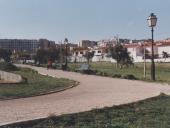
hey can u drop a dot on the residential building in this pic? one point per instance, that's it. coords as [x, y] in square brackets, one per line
[102, 55]
[164, 46]
[136, 51]
[138, 41]
[19, 45]
[98, 54]
[87, 43]
[105, 43]
[78, 54]
[25, 45]
[112, 42]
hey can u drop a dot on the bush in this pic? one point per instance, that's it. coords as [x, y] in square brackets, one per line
[8, 67]
[104, 74]
[89, 72]
[58, 66]
[99, 73]
[117, 76]
[130, 77]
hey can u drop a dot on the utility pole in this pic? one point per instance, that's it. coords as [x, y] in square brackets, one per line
[144, 69]
[66, 53]
[117, 42]
[61, 53]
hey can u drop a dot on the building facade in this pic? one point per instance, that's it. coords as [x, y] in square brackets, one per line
[87, 43]
[138, 50]
[19, 45]
[78, 54]
[25, 45]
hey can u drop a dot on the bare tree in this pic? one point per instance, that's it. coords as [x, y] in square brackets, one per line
[165, 55]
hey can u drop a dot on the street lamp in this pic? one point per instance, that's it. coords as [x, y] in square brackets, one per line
[66, 53]
[152, 20]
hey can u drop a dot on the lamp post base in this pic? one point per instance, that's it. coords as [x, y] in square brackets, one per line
[153, 71]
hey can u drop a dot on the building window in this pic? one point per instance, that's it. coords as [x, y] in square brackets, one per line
[76, 53]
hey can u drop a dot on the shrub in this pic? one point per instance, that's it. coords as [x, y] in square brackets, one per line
[99, 73]
[130, 77]
[8, 67]
[89, 72]
[117, 76]
[105, 74]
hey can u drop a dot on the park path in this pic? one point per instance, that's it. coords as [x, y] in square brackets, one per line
[93, 92]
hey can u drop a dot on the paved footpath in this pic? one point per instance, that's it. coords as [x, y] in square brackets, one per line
[93, 92]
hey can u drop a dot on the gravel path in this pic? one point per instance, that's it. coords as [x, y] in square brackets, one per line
[93, 92]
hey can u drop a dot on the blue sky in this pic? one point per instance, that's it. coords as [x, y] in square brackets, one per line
[82, 19]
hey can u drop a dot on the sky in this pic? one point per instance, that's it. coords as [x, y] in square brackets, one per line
[82, 19]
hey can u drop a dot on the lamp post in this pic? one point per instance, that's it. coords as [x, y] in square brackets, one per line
[66, 53]
[152, 20]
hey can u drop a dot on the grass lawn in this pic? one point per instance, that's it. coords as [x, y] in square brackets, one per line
[36, 84]
[162, 70]
[151, 113]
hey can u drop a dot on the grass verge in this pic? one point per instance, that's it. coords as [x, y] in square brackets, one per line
[150, 113]
[36, 85]
[109, 69]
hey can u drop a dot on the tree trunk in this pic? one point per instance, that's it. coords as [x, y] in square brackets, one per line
[117, 65]
[88, 60]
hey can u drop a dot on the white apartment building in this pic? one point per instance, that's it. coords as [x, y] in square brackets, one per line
[78, 55]
[106, 43]
[102, 55]
[98, 55]
[136, 51]
[87, 43]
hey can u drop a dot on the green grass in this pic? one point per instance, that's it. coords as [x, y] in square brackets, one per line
[36, 84]
[162, 70]
[151, 113]
[5, 66]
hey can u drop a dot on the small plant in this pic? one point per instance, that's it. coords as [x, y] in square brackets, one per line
[98, 73]
[129, 77]
[105, 74]
[117, 76]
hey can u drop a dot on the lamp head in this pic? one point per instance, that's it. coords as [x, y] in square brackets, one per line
[152, 20]
[66, 40]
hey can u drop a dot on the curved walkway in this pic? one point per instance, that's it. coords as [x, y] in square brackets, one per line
[93, 92]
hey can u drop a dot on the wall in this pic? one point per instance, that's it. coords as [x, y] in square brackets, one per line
[163, 49]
